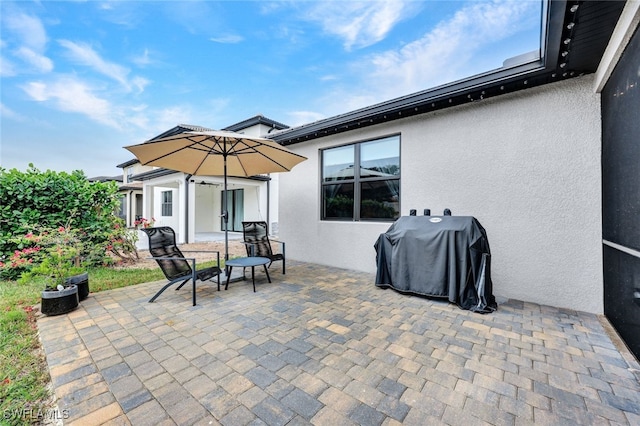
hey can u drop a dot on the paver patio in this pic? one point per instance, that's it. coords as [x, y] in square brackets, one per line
[324, 346]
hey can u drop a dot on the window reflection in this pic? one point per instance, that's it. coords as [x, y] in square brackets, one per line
[380, 200]
[380, 158]
[338, 201]
[369, 176]
[338, 163]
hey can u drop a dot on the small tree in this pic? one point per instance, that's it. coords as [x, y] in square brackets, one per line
[52, 199]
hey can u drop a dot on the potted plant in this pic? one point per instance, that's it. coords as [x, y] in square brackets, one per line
[55, 255]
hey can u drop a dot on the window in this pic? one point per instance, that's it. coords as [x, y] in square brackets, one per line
[167, 203]
[129, 174]
[122, 209]
[362, 181]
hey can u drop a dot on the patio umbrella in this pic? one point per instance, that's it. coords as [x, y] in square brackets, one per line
[217, 153]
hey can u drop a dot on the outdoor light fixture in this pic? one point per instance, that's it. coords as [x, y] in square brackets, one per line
[565, 53]
[570, 25]
[567, 40]
[574, 8]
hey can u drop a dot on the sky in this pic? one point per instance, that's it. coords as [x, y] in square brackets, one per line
[79, 80]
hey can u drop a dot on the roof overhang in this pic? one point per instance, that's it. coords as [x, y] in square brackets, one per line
[575, 35]
[156, 173]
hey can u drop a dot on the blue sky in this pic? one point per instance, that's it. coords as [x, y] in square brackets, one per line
[81, 79]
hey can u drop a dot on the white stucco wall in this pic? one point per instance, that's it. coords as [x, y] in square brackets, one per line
[206, 218]
[527, 165]
[173, 220]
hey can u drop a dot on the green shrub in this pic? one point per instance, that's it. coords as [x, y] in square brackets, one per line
[51, 199]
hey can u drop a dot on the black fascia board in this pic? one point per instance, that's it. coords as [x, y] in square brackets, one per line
[479, 87]
[128, 163]
[153, 174]
[470, 90]
[258, 119]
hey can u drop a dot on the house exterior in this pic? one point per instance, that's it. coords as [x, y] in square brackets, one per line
[544, 154]
[192, 205]
[131, 192]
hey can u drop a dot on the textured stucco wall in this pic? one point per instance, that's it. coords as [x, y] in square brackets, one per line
[527, 165]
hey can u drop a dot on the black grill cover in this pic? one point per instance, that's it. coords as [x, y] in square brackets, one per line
[438, 256]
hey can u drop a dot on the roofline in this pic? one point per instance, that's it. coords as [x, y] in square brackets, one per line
[129, 188]
[258, 119]
[128, 163]
[482, 86]
[151, 174]
[181, 128]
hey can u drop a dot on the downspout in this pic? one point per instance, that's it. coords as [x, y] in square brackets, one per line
[186, 209]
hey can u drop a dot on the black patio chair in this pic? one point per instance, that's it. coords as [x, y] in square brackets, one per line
[174, 266]
[256, 240]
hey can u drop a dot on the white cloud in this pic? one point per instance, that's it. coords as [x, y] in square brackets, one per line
[85, 55]
[40, 62]
[360, 24]
[297, 118]
[167, 118]
[71, 95]
[26, 40]
[446, 53]
[142, 60]
[227, 39]
[7, 67]
[29, 29]
[7, 112]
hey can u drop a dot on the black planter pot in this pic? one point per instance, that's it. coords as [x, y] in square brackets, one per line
[82, 282]
[56, 302]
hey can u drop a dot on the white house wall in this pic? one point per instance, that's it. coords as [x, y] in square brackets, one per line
[206, 217]
[173, 220]
[526, 165]
[208, 202]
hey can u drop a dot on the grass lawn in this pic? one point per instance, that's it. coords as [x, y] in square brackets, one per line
[24, 376]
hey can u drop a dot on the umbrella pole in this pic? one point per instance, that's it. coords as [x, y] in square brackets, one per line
[225, 215]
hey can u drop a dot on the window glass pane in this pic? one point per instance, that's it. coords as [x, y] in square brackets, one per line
[380, 199]
[337, 163]
[122, 211]
[337, 201]
[167, 203]
[380, 158]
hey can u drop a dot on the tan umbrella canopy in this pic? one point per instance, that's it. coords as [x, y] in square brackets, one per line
[207, 153]
[217, 153]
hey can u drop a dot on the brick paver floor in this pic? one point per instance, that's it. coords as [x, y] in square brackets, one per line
[324, 346]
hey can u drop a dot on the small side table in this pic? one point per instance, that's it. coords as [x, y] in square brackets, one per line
[245, 262]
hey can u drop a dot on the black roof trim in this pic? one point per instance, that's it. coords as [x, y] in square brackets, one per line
[583, 56]
[181, 128]
[117, 178]
[129, 188]
[258, 119]
[128, 163]
[151, 174]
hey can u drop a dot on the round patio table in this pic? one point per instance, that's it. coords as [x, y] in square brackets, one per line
[246, 262]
